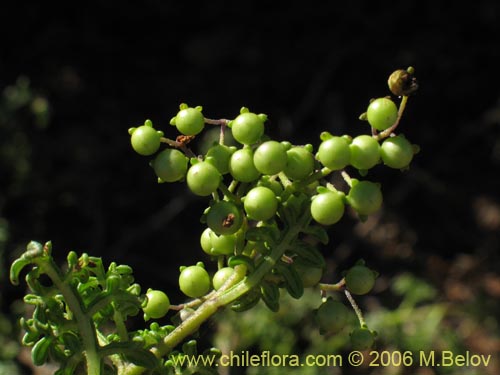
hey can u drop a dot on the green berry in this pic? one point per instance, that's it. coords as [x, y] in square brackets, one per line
[224, 217]
[365, 197]
[221, 276]
[247, 128]
[365, 152]
[170, 165]
[157, 304]
[189, 121]
[382, 113]
[396, 152]
[194, 281]
[203, 178]
[260, 203]
[362, 338]
[242, 167]
[299, 163]
[145, 140]
[270, 158]
[334, 153]
[219, 155]
[360, 280]
[332, 316]
[327, 208]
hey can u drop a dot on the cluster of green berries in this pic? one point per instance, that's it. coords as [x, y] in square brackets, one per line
[249, 183]
[264, 164]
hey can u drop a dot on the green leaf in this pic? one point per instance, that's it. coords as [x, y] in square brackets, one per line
[310, 254]
[16, 269]
[261, 234]
[40, 351]
[247, 301]
[293, 281]
[270, 295]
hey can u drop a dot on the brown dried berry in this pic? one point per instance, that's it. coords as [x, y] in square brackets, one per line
[402, 82]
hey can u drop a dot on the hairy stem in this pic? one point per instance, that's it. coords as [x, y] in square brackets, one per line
[356, 308]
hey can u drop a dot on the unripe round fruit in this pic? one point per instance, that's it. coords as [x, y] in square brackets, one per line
[327, 208]
[242, 167]
[382, 113]
[360, 280]
[260, 203]
[362, 338]
[247, 128]
[170, 165]
[334, 153]
[396, 152]
[299, 164]
[224, 217]
[270, 158]
[145, 140]
[365, 152]
[365, 197]
[203, 178]
[221, 277]
[194, 281]
[219, 155]
[332, 316]
[157, 304]
[206, 240]
[189, 121]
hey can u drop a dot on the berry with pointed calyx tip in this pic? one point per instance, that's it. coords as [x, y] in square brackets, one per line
[170, 165]
[157, 304]
[382, 113]
[396, 152]
[219, 155]
[360, 279]
[145, 139]
[362, 338]
[402, 82]
[299, 163]
[224, 217]
[242, 167]
[332, 316]
[365, 152]
[213, 244]
[365, 197]
[189, 121]
[260, 203]
[248, 127]
[203, 178]
[194, 281]
[270, 158]
[334, 153]
[327, 208]
[221, 276]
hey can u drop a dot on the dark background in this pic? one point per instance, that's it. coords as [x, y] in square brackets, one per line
[310, 66]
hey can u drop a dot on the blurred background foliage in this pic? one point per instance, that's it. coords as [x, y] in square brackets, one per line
[74, 78]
